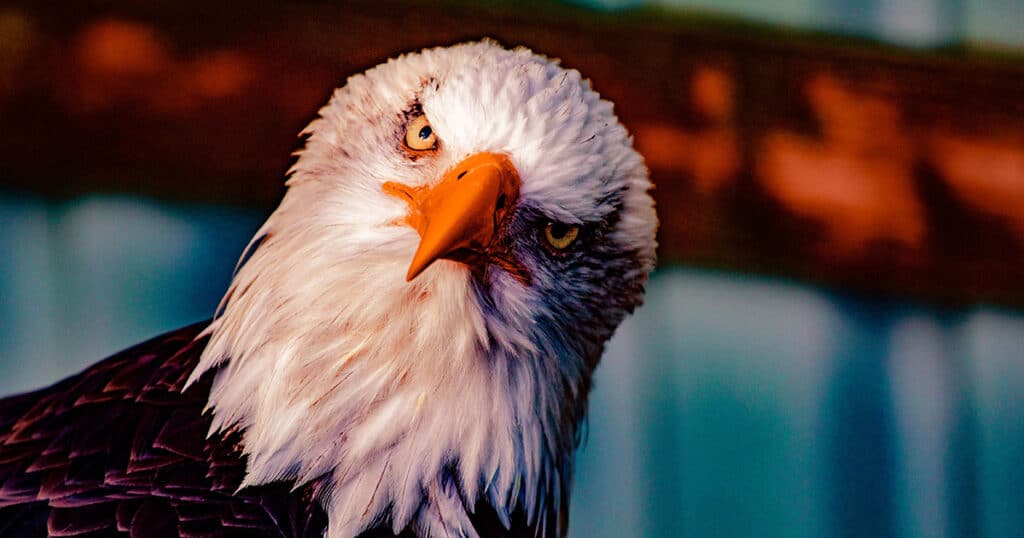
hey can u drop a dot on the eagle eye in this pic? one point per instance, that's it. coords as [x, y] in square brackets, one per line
[419, 135]
[560, 235]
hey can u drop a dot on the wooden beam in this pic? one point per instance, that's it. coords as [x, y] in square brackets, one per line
[842, 161]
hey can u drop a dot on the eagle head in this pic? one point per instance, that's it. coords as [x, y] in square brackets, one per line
[416, 325]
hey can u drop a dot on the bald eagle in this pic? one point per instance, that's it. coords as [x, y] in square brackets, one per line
[407, 347]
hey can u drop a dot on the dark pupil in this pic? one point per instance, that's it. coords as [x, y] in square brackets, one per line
[425, 132]
[558, 230]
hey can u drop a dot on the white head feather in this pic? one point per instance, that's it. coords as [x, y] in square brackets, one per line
[414, 400]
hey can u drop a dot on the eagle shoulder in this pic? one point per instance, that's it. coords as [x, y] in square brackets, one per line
[120, 450]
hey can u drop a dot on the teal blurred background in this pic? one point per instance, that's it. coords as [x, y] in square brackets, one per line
[734, 403]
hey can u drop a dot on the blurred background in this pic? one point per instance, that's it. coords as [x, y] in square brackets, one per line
[833, 344]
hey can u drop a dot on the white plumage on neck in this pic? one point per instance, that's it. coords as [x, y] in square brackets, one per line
[414, 400]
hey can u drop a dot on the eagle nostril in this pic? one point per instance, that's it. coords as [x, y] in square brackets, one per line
[461, 174]
[501, 201]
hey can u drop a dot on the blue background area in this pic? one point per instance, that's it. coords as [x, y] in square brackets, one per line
[915, 23]
[729, 405]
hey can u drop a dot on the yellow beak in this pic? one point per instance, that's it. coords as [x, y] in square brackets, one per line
[462, 212]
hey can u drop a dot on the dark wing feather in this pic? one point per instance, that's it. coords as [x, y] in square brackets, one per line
[120, 450]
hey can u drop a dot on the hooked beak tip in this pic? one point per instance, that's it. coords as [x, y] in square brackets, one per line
[413, 273]
[460, 211]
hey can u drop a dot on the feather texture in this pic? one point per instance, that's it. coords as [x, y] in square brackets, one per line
[339, 398]
[120, 451]
[415, 400]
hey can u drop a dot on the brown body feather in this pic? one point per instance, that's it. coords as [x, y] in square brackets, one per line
[120, 450]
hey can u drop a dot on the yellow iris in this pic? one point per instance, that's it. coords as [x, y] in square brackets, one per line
[560, 235]
[419, 135]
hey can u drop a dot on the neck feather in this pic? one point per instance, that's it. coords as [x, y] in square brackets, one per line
[405, 399]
